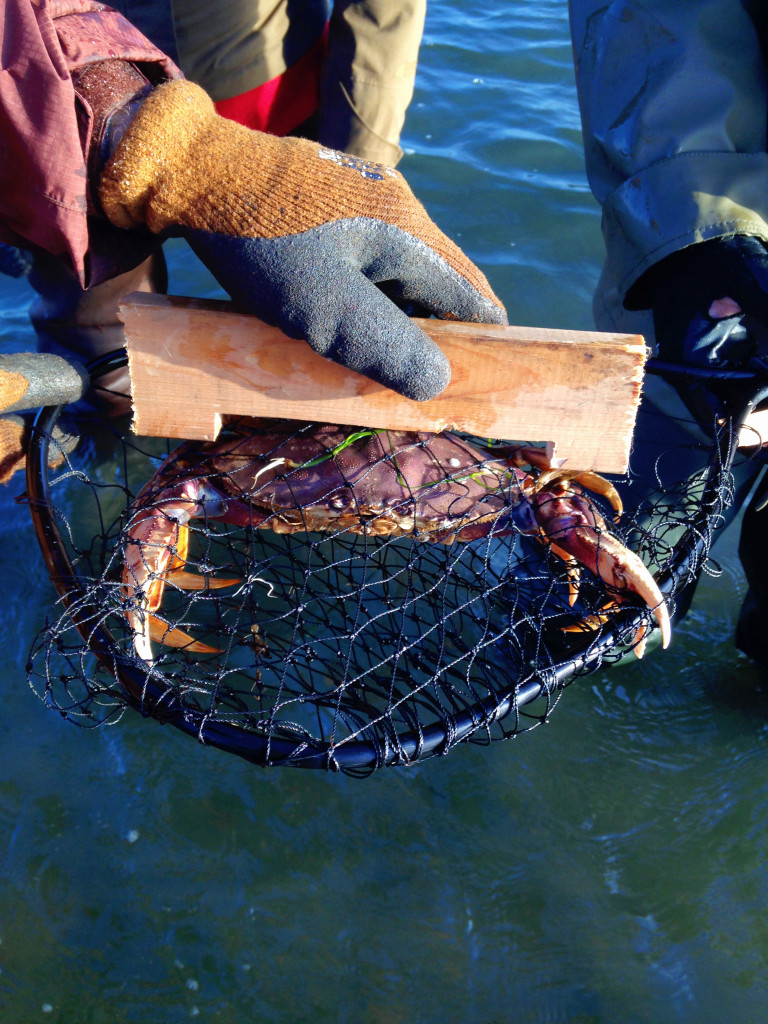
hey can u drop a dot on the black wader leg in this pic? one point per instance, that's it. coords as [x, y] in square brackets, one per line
[753, 552]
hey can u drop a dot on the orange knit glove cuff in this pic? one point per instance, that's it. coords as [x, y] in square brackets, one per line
[325, 246]
[180, 164]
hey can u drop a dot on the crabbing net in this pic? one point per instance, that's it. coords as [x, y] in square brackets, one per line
[346, 650]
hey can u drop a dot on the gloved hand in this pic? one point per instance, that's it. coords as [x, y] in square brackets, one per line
[14, 440]
[299, 235]
[29, 380]
[705, 299]
[15, 432]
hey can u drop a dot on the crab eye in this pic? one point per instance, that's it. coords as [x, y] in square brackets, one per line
[338, 501]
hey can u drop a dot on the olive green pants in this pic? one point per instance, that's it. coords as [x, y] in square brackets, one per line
[368, 73]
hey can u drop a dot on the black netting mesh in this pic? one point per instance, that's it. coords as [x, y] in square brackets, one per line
[346, 650]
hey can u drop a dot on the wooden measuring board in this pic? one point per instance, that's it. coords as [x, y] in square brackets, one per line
[195, 362]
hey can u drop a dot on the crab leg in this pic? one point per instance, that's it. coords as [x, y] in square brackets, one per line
[593, 481]
[155, 553]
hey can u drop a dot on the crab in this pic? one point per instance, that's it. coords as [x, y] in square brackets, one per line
[438, 488]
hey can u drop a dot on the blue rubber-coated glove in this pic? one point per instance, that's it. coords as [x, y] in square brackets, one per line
[313, 241]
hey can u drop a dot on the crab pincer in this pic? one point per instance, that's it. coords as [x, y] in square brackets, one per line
[575, 530]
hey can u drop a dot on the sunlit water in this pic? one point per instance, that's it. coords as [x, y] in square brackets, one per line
[607, 868]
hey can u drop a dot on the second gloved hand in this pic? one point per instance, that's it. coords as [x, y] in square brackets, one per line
[706, 300]
[699, 295]
[315, 242]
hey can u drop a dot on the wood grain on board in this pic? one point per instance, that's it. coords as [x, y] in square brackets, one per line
[195, 362]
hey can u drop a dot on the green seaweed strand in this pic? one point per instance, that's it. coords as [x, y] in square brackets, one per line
[331, 453]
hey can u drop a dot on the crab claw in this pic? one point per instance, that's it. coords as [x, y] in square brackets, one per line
[153, 628]
[593, 481]
[576, 530]
[156, 554]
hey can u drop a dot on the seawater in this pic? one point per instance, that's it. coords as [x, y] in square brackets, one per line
[608, 867]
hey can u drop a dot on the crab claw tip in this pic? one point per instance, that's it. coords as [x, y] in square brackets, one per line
[661, 614]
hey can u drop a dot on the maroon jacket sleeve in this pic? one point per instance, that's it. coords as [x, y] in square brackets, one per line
[43, 186]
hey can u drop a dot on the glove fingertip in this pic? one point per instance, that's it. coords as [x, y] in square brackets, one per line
[430, 375]
[489, 312]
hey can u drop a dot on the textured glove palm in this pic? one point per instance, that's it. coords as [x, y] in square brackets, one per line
[299, 235]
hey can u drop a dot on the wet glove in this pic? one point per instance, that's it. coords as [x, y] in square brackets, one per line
[299, 235]
[707, 301]
[29, 380]
[14, 440]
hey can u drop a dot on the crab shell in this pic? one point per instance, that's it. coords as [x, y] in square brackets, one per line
[384, 483]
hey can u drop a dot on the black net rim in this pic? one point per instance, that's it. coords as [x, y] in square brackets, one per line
[355, 756]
